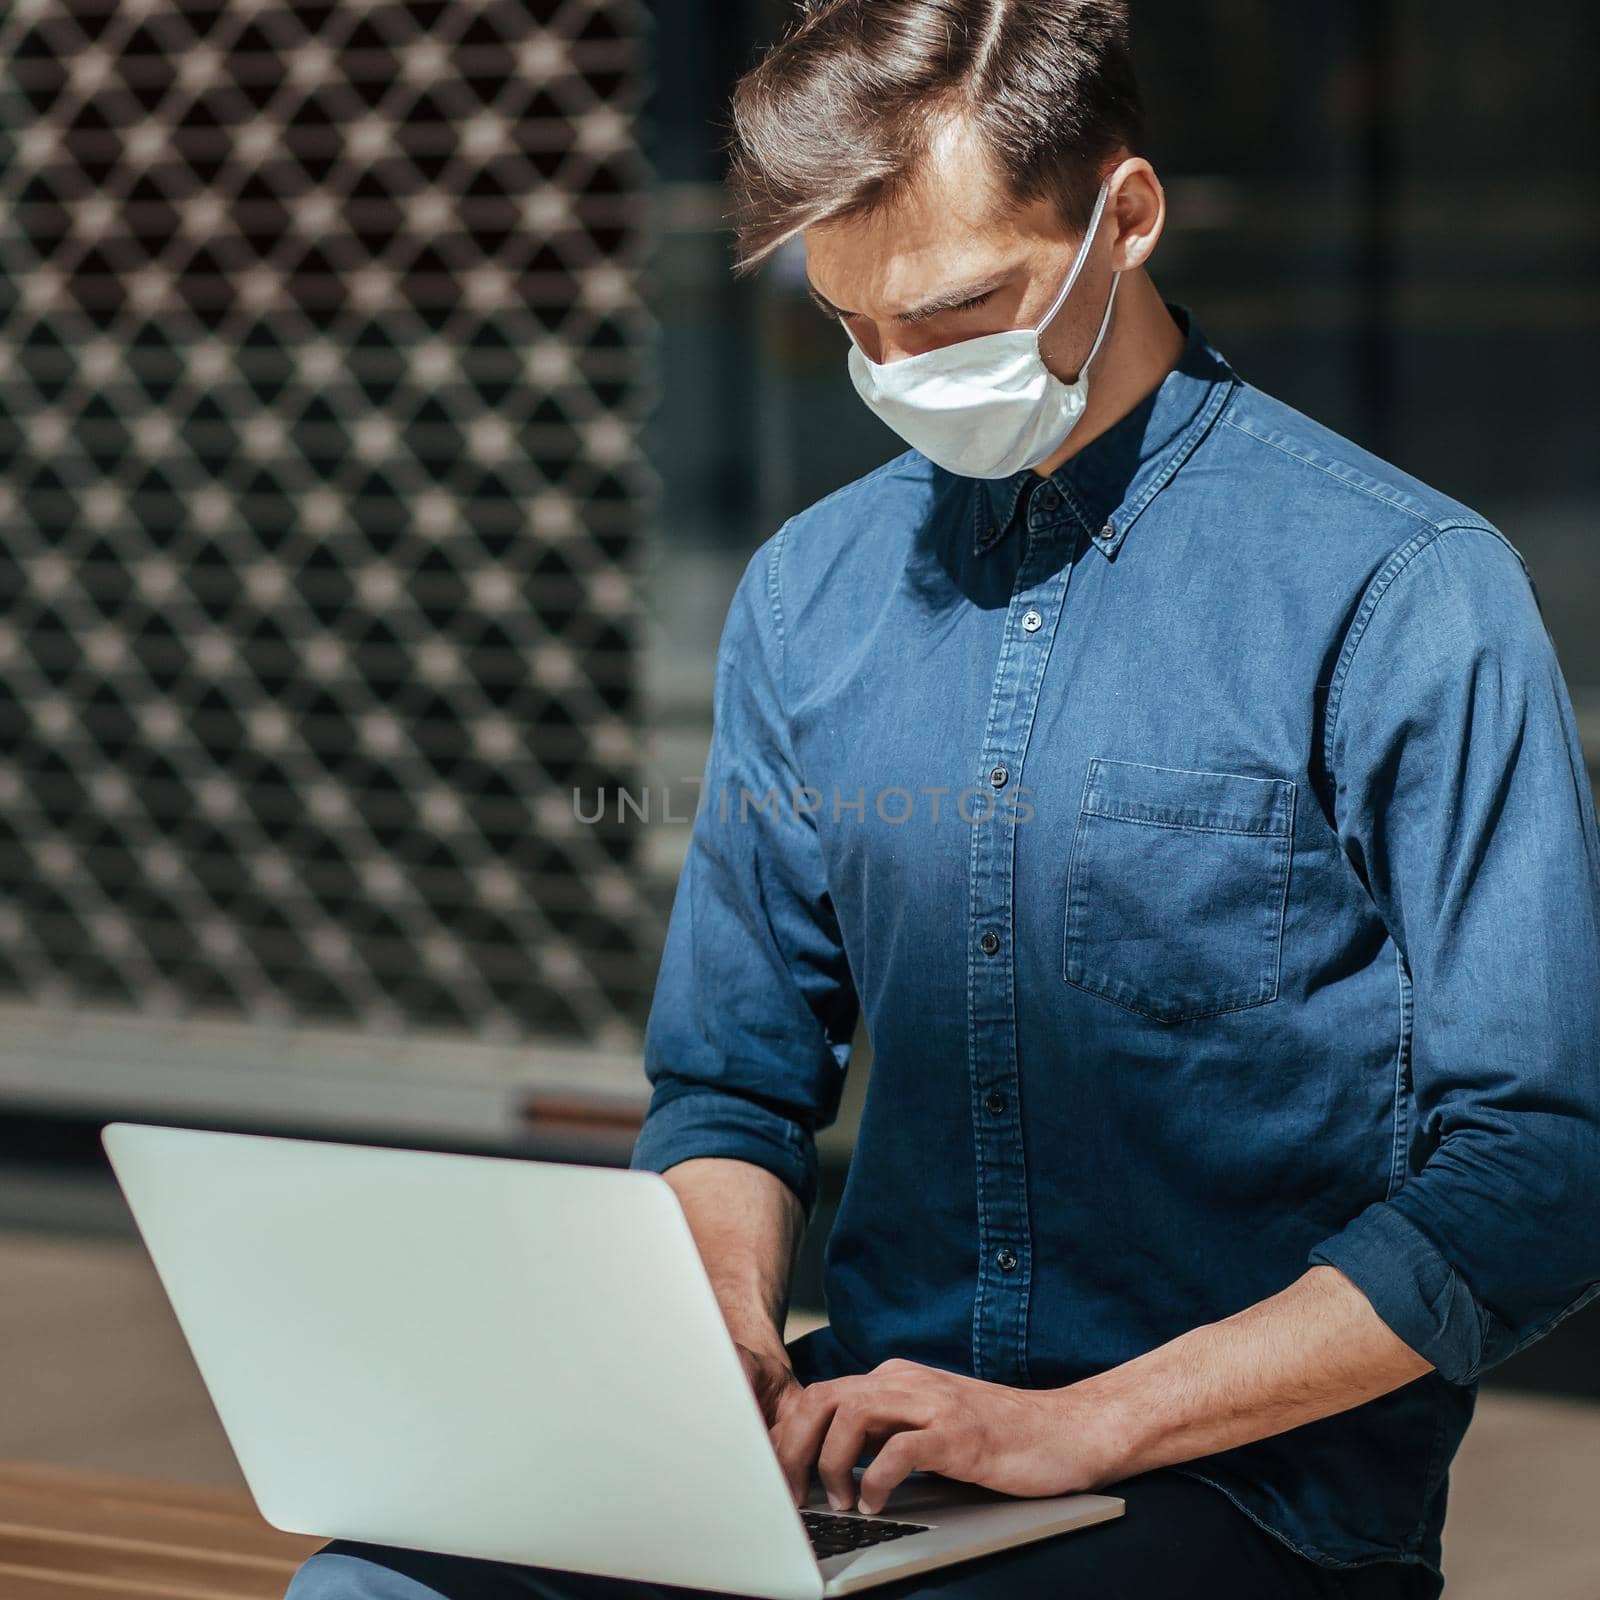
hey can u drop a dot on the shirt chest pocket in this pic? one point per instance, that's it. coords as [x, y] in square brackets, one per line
[1175, 888]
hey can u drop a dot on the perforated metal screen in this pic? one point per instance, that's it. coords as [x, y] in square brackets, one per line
[320, 368]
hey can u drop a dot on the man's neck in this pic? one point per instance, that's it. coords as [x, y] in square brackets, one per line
[1142, 345]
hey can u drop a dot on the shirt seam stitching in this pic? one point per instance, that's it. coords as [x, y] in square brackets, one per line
[795, 1134]
[1224, 387]
[775, 602]
[1577, 1303]
[1379, 586]
[1401, 1129]
[1327, 472]
[989, 528]
[793, 1141]
[1213, 410]
[1398, 561]
[774, 587]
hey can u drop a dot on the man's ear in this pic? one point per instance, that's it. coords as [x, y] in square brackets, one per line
[1138, 177]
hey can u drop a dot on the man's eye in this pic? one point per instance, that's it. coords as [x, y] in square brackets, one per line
[960, 305]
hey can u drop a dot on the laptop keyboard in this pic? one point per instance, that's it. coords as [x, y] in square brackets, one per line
[833, 1533]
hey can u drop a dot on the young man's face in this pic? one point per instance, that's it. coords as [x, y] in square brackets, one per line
[952, 261]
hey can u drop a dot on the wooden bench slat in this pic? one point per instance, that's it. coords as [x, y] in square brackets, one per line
[67, 1534]
[250, 1536]
[105, 1505]
[19, 1583]
[72, 1550]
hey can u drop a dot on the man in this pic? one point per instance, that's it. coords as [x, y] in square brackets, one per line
[1191, 805]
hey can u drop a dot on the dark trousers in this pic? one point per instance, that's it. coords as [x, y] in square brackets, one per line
[1179, 1539]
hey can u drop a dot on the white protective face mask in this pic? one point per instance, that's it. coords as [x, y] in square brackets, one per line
[988, 406]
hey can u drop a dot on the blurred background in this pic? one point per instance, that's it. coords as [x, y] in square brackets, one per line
[382, 434]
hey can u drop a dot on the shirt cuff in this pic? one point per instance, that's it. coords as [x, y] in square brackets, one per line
[1422, 1298]
[717, 1122]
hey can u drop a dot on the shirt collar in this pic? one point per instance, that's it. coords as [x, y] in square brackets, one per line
[1116, 475]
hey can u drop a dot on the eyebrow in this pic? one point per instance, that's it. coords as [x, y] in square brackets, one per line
[940, 302]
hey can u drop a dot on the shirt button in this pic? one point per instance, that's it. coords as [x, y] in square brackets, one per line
[990, 942]
[1109, 531]
[1006, 1257]
[1049, 500]
[998, 776]
[996, 1102]
[1031, 621]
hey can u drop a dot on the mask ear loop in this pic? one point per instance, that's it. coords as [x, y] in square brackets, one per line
[1105, 322]
[1078, 261]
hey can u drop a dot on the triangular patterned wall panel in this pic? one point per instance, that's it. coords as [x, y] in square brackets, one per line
[320, 379]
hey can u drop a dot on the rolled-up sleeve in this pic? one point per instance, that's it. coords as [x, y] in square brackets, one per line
[749, 1033]
[1461, 798]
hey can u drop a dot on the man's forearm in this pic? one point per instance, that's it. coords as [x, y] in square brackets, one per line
[1307, 1352]
[747, 1223]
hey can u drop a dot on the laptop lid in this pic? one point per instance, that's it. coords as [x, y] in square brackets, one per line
[480, 1355]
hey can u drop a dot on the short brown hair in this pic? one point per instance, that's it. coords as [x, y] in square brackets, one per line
[836, 117]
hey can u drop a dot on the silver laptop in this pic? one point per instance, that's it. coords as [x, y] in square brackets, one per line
[513, 1359]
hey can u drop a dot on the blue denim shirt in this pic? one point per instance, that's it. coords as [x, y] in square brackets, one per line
[1204, 837]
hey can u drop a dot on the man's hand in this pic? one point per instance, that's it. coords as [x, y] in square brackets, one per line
[1310, 1350]
[925, 1419]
